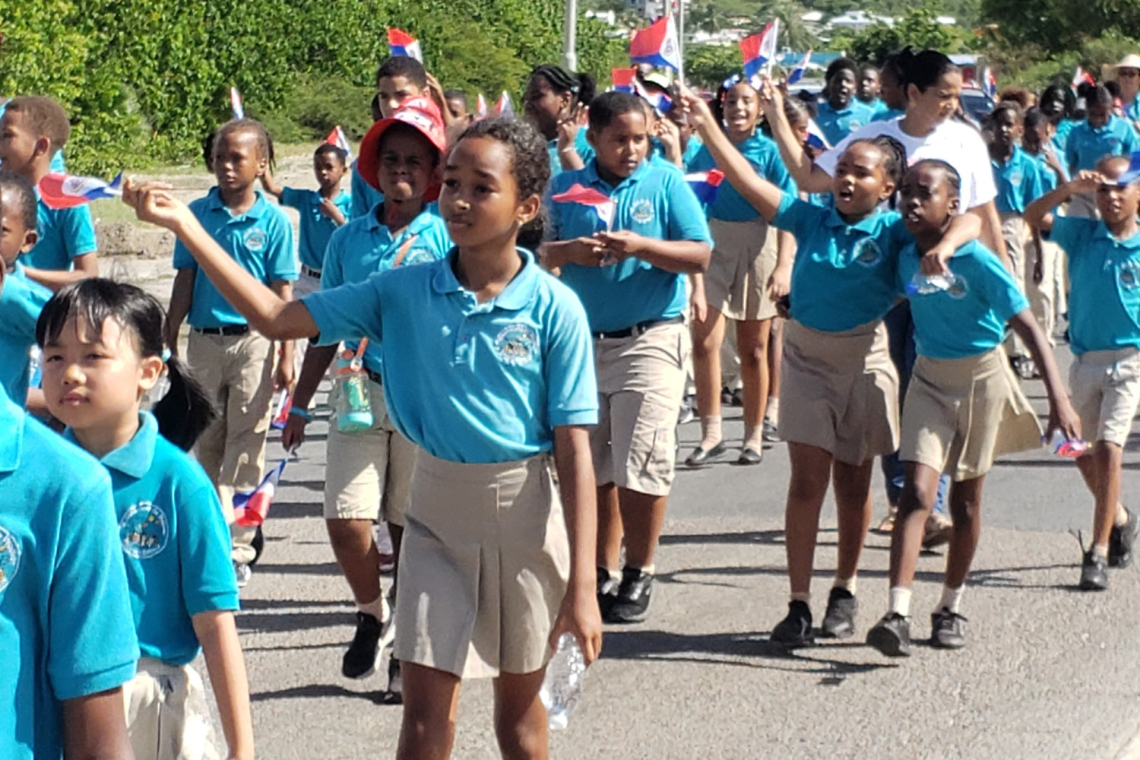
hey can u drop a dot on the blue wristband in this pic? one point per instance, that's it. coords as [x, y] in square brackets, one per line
[302, 413]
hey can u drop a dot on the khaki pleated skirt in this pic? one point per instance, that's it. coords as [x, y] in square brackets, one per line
[743, 259]
[483, 567]
[962, 414]
[840, 391]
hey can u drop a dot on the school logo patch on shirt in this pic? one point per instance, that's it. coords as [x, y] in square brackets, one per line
[419, 256]
[867, 252]
[144, 530]
[1015, 178]
[1128, 275]
[642, 211]
[516, 344]
[9, 558]
[255, 239]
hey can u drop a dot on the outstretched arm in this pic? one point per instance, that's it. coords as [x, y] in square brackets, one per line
[273, 316]
[1061, 414]
[1039, 214]
[809, 177]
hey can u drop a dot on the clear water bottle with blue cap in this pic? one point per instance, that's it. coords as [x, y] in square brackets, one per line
[924, 284]
[562, 686]
[353, 397]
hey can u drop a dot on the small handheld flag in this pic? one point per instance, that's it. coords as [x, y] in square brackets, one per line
[236, 104]
[657, 45]
[338, 138]
[481, 110]
[251, 509]
[759, 50]
[284, 404]
[705, 185]
[1080, 76]
[661, 102]
[622, 79]
[402, 44]
[504, 107]
[800, 69]
[64, 191]
[989, 83]
[815, 137]
[602, 204]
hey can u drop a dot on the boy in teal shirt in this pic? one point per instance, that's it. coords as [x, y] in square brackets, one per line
[841, 113]
[21, 300]
[1102, 134]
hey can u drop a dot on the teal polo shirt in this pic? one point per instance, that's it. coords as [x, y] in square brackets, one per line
[764, 155]
[654, 201]
[471, 382]
[581, 144]
[316, 228]
[65, 614]
[1085, 146]
[364, 247]
[21, 302]
[1046, 173]
[844, 274]
[692, 149]
[1018, 182]
[969, 318]
[889, 114]
[1061, 138]
[1104, 302]
[364, 196]
[64, 234]
[260, 240]
[173, 539]
[837, 124]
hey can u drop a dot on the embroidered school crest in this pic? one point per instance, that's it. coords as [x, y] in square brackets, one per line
[255, 239]
[516, 344]
[143, 530]
[1015, 178]
[419, 256]
[867, 252]
[9, 558]
[1127, 275]
[642, 211]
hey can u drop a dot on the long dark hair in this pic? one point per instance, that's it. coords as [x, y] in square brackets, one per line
[185, 410]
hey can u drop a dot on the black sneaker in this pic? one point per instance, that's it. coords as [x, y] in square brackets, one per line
[839, 620]
[1094, 572]
[946, 630]
[631, 604]
[891, 635]
[795, 629]
[395, 692]
[1121, 541]
[607, 590]
[360, 659]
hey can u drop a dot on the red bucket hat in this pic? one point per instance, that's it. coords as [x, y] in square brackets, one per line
[421, 113]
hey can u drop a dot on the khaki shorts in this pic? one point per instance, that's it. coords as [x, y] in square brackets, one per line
[840, 391]
[483, 568]
[641, 381]
[1017, 238]
[236, 371]
[167, 715]
[743, 258]
[369, 474]
[1105, 391]
[962, 414]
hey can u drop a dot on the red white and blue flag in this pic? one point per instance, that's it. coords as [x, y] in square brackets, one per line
[402, 44]
[338, 138]
[815, 137]
[657, 45]
[1080, 76]
[481, 110]
[800, 69]
[235, 103]
[661, 102]
[65, 191]
[705, 185]
[989, 82]
[251, 509]
[622, 79]
[504, 107]
[759, 50]
[602, 204]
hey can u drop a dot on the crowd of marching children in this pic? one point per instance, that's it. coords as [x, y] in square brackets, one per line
[522, 309]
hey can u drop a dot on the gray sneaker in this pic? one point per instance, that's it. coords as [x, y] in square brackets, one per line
[891, 635]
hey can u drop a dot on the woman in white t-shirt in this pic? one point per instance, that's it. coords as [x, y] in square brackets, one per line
[927, 130]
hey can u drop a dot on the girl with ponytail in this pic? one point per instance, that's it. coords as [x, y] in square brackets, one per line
[103, 351]
[555, 102]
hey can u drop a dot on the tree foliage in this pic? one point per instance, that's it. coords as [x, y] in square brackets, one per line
[146, 79]
[918, 27]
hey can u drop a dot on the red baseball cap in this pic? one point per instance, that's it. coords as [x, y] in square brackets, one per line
[421, 113]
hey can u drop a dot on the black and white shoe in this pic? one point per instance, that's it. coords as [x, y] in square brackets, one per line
[1094, 572]
[839, 620]
[891, 635]
[946, 630]
[364, 651]
[1121, 541]
[795, 629]
[631, 604]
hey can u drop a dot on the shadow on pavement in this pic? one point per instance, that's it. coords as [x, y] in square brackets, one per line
[323, 568]
[248, 605]
[319, 691]
[290, 622]
[295, 510]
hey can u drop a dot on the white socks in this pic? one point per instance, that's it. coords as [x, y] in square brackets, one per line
[1121, 516]
[711, 433]
[754, 438]
[845, 583]
[900, 601]
[377, 608]
[804, 597]
[951, 598]
[772, 414]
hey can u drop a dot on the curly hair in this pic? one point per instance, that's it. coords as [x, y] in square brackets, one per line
[253, 126]
[530, 161]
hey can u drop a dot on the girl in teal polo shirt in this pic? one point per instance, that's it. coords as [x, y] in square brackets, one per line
[104, 350]
[487, 367]
[1102, 134]
[963, 407]
[839, 388]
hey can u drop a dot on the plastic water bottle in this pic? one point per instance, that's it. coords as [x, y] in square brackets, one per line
[1063, 446]
[922, 285]
[353, 397]
[562, 687]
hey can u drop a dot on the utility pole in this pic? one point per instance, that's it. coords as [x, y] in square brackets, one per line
[570, 36]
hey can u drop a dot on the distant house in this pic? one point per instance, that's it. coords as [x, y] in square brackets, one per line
[857, 21]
